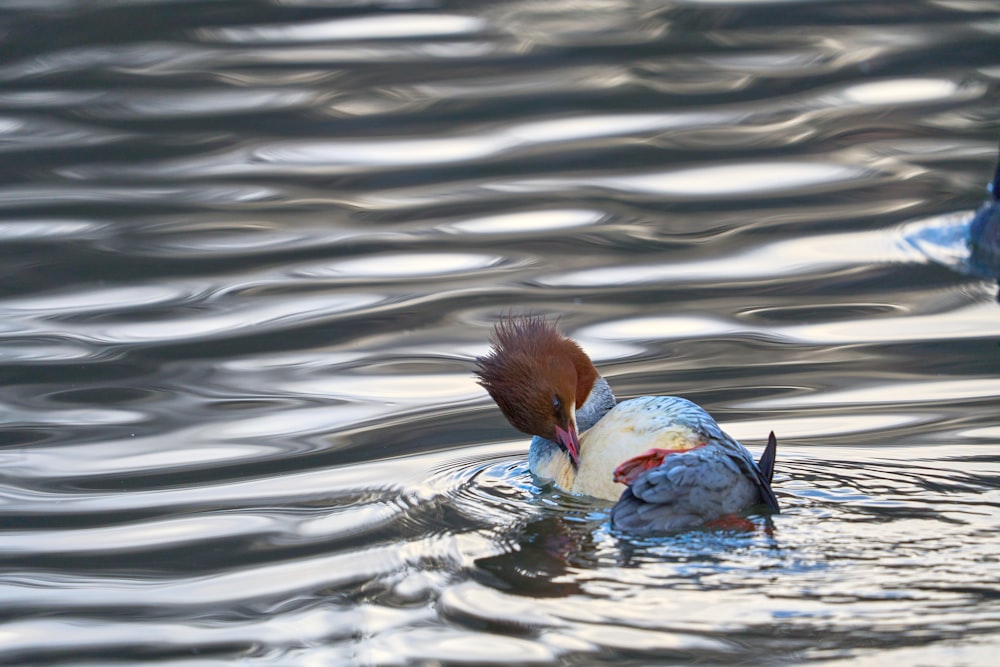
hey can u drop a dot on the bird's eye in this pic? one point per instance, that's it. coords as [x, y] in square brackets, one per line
[556, 405]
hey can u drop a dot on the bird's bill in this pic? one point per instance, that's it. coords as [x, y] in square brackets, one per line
[568, 440]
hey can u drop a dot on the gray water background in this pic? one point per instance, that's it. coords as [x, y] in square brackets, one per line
[250, 249]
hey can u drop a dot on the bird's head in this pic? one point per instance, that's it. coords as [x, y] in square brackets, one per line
[538, 377]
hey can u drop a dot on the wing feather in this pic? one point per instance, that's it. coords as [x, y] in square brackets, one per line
[695, 486]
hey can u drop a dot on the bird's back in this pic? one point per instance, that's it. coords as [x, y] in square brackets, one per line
[685, 491]
[695, 485]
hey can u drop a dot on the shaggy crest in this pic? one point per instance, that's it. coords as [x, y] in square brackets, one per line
[535, 374]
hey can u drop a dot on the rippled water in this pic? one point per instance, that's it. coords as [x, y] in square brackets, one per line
[251, 248]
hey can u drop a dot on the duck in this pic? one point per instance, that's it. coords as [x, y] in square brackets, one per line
[663, 460]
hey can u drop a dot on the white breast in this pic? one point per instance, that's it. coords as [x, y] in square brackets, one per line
[631, 428]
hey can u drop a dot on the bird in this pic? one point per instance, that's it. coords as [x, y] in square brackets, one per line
[663, 459]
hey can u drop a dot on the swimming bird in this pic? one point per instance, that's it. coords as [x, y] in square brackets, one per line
[664, 459]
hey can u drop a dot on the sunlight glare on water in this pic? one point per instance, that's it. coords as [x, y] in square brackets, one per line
[904, 91]
[253, 249]
[408, 265]
[387, 26]
[527, 222]
[762, 178]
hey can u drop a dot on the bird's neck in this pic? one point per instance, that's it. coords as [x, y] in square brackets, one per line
[547, 460]
[599, 402]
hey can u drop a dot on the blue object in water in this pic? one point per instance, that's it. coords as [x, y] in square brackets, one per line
[984, 232]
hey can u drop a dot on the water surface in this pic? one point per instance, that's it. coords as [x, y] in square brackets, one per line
[252, 248]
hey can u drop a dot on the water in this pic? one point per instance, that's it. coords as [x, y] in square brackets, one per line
[251, 248]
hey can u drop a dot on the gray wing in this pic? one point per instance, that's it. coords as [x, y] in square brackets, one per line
[693, 487]
[698, 419]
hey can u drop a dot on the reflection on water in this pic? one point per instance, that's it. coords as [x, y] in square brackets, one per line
[252, 249]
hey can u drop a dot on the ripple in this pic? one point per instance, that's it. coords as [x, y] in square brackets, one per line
[837, 311]
[638, 639]
[147, 56]
[303, 420]
[344, 155]
[616, 337]
[320, 625]
[229, 433]
[103, 299]
[42, 350]
[401, 152]
[819, 426]
[319, 486]
[342, 53]
[18, 134]
[444, 645]
[534, 222]
[970, 321]
[149, 535]
[565, 78]
[135, 455]
[404, 265]
[272, 581]
[406, 25]
[966, 322]
[900, 91]
[580, 127]
[205, 530]
[987, 433]
[484, 605]
[488, 605]
[245, 315]
[743, 2]
[44, 99]
[88, 416]
[757, 179]
[167, 104]
[54, 195]
[909, 392]
[490, 486]
[33, 230]
[190, 237]
[817, 255]
[422, 388]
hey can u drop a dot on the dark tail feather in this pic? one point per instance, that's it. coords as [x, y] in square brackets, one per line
[766, 467]
[766, 463]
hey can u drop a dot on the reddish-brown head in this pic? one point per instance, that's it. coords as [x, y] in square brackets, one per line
[539, 378]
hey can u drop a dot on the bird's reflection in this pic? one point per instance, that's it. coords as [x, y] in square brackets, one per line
[542, 555]
[547, 552]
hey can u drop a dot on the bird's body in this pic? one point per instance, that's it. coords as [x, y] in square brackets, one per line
[663, 458]
[629, 429]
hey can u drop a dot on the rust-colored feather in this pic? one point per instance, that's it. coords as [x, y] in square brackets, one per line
[531, 363]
